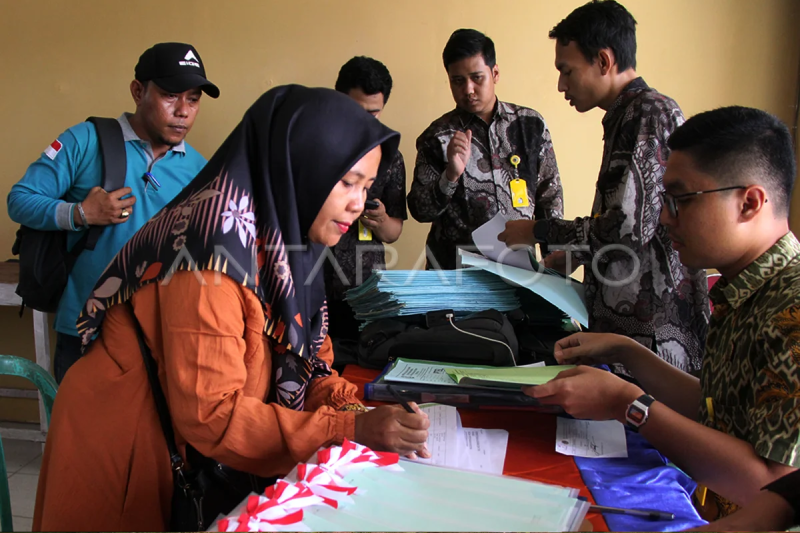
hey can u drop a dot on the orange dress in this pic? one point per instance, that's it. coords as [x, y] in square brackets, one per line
[106, 465]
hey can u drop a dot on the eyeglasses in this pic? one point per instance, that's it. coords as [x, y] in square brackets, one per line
[671, 201]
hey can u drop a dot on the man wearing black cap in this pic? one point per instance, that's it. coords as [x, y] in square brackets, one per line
[62, 189]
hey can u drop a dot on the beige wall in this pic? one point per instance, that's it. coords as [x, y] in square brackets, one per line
[63, 61]
[794, 218]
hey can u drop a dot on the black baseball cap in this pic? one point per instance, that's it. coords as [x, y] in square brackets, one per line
[175, 67]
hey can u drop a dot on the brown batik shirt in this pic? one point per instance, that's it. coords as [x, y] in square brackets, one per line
[455, 210]
[638, 287]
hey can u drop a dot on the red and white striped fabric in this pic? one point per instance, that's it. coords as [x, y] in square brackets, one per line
[326, 484]
[281, 506]
[351, 456]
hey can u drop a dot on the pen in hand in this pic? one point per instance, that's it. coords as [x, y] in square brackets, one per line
[424, 453]
[400, 400]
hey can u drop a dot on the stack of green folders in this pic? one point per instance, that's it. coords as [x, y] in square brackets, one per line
[432, 498]
[419, 497]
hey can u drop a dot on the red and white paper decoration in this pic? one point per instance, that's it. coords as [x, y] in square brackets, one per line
[320, 482]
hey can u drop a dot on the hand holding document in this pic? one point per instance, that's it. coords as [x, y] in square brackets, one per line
[501, 377]
[428, 382]
[566, 294]
[485, 238]
[516, 267]
[451, 445]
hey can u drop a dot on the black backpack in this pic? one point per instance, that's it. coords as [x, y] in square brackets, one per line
[44, 261]
[432, 337]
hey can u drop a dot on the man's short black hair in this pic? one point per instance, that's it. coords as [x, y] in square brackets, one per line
[367, 74]
[598, 25]
[742, 146]
[465, 43]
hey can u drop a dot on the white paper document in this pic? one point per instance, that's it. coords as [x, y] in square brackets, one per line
[483, 450]
[431, 374]
[442, 435]
[591, 438]
[476, 449]
[485, 238]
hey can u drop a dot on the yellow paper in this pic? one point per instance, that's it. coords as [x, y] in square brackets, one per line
[519, 193]
[364, 233]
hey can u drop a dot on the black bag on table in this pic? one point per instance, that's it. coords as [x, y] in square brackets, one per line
[483, 338]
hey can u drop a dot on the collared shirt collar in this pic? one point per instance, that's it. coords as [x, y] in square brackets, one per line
[501, 112]
[635, 86]
[759, 272]
[129, 135]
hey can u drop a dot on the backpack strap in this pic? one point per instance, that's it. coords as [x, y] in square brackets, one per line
[115, 167]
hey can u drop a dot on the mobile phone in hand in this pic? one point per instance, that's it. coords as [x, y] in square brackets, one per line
[371, 204]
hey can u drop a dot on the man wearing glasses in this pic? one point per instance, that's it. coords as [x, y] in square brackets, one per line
[671, 201]
[635, 284]
[736, 429]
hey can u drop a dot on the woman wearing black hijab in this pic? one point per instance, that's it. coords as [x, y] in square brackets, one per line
[226, 286]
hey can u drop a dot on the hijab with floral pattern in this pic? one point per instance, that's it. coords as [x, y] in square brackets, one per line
[247, 215]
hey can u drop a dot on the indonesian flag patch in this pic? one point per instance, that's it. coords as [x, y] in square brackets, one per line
[52, 150]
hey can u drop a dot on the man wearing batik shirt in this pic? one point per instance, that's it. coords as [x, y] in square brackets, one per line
[465, 171]
[635, 284]
[727, 191]
[368, 82]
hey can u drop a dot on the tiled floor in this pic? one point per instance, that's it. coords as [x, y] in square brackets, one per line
[23, 459]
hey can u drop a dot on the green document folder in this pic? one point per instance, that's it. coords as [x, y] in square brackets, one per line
[431, 498]
[505, 377]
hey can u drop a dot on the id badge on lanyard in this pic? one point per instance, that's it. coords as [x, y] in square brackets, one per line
[364, 233]
[519, 187]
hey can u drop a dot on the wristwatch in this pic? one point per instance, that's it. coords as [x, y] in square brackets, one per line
[638, 411]
[540, 230]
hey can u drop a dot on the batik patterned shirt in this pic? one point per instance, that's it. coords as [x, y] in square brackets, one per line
[457, 209]
[636, 285]
[751, 371]
[750, 380]
[356, 258]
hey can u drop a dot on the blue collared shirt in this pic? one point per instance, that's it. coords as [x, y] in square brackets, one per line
[44, 197]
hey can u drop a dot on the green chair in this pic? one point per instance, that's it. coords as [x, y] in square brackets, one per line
[11, 365]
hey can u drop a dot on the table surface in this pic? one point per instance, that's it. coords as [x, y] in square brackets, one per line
[9, 273]
[531, 443]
